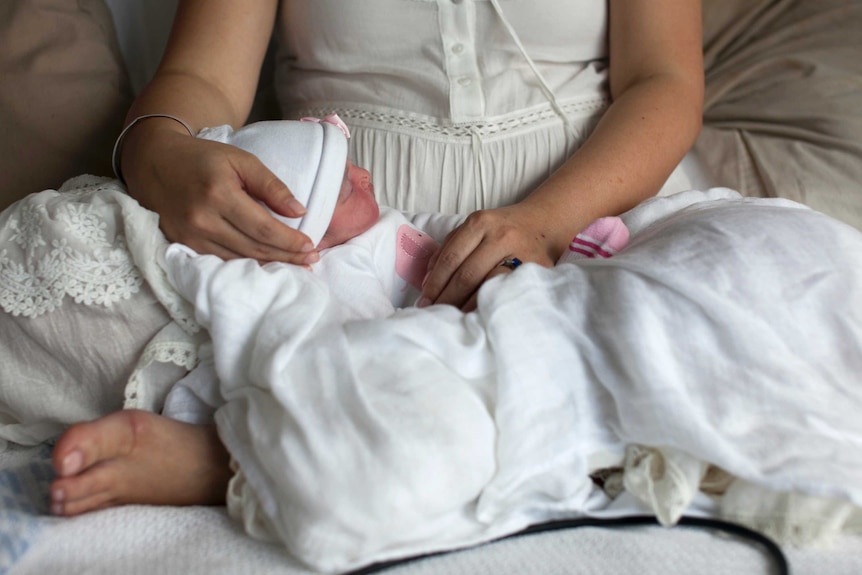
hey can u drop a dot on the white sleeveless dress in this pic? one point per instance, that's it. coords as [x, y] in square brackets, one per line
[446, 111]
[454, 105]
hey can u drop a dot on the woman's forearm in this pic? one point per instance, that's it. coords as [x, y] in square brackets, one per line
[208, 195]
[636, 145]
[656, 83]
[212, 61]
[183, 96]
[208, 75]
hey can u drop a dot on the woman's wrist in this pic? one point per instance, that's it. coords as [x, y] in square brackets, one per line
[135, 128]
[562, 213]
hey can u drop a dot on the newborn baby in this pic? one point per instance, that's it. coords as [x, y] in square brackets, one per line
[373, 259]
[382, 257]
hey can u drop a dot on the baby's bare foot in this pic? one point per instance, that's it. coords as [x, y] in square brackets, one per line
[138, 457]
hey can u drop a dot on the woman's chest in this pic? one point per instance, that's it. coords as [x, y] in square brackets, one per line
[550, 30]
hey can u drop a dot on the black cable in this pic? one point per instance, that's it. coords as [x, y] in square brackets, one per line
[769, 546]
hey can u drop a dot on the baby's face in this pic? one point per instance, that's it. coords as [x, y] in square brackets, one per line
[356, 210]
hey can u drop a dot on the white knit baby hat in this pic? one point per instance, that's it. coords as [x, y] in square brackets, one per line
[309, 156]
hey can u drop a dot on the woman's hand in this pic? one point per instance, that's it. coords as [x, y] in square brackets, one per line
[205, 192]
[472, 253]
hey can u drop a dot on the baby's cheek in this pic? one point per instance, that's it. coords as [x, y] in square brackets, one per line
[412, 255]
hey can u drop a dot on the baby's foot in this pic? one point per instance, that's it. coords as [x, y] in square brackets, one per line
[138, 457]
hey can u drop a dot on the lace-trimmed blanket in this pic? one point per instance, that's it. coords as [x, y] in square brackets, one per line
[89, 324]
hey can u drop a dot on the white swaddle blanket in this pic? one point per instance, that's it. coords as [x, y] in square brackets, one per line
[728, 332]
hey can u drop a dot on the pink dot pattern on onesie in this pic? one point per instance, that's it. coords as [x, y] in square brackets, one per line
[412, 255]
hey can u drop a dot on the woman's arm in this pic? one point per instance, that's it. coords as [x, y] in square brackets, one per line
[656, 81]
[203, 191]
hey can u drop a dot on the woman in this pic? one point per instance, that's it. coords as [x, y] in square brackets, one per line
[580, 110]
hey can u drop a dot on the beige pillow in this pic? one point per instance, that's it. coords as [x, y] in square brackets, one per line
[64, 93]
[783, 110]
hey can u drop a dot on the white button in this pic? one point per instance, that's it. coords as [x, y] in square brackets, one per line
[465, 80]
[457, 48]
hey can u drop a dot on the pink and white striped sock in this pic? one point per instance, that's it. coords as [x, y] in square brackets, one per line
[601, 239]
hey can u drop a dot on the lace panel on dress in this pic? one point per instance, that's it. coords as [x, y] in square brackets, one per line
[71, 252]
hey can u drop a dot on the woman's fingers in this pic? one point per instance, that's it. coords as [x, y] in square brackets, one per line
[260, 183]
[251, 231]
[208, 200]
[239, 227]
[468, 256]
[472, 253]
[247, 228]
[465, 281]
[458, 267]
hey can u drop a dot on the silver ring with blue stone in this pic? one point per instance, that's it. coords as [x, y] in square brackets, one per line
[511, 263]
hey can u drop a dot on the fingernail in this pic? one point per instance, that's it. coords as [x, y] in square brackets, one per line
[72, 463]
[295, 206]
[58, 495]
[425, 279]
[57, 509]
[423, 302]
[311, 258]
[309, 247]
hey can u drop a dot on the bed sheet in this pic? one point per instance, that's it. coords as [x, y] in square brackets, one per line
[141, 540]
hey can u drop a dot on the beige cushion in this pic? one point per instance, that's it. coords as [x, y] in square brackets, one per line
[783, 110]
[63, 93]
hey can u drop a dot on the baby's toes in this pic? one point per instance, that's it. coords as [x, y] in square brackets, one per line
[88, 491]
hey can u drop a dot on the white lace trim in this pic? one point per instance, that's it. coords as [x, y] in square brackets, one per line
[180, 311]
[468, 129]
[35, 277]
[182, 354]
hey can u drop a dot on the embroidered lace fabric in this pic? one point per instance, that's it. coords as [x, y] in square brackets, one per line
[77, 260]
[90, 321]
[166, 359]
[73, 242]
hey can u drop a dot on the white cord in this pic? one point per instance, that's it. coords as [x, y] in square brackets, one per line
[543, 85]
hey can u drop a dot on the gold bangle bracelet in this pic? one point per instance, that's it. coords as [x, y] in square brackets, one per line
[118, 145]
